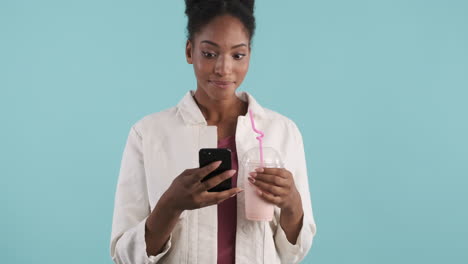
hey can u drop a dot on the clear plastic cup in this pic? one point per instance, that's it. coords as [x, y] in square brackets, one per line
[256, 208]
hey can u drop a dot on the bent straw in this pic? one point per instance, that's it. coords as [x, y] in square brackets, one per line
[259, 138]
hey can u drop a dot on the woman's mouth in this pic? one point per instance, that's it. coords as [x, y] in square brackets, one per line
[221, 84]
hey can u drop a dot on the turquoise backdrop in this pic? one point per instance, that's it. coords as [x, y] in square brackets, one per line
[378, 88]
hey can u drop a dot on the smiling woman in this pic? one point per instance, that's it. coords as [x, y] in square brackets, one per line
[220, 54]
[164, 212]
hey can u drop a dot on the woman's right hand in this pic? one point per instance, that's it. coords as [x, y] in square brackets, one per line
[188, 192]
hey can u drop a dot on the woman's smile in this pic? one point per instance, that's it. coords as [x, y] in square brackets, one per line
[221, 84]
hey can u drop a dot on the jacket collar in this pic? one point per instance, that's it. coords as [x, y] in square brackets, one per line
[192, 115]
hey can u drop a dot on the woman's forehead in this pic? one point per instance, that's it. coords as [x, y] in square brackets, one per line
[225, 31]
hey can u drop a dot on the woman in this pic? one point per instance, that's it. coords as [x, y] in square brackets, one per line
[163, 212]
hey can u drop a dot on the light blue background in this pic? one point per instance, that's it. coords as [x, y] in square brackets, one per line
[378, 89]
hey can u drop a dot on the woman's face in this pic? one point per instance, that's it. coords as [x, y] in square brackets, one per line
[220, 54]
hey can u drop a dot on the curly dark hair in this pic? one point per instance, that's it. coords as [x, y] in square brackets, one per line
[201, 12]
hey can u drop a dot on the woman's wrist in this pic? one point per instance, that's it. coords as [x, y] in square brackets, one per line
[291, 220]
[164, 208]
[294, 208]
[166, 204]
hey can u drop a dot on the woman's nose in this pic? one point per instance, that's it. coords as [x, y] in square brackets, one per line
[223, 66]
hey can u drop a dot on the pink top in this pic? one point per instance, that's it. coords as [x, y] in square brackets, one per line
[227, 212]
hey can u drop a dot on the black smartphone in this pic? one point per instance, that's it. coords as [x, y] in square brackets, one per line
[209, 155]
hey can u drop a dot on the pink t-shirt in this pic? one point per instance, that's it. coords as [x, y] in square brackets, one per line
[227, 212]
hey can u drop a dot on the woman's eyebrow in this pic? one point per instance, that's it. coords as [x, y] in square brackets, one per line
[216, 45]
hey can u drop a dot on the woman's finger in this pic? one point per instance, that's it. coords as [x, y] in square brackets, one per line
[269, 178]
[272, 189]
[212, 182]
[218, 197]
[270, 198]
[281, 172]
[200, 173]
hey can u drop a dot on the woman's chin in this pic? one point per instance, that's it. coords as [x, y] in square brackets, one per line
[221, 93]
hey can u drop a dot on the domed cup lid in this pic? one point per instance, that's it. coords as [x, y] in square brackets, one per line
[271, 157]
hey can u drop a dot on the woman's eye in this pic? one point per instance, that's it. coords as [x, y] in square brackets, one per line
[239, 56]
[208, 54]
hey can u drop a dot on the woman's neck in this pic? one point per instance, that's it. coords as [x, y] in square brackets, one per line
[220, 111]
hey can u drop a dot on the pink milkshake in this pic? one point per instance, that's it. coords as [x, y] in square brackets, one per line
[256, 208]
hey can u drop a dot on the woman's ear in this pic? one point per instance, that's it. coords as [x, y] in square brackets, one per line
[188, 52]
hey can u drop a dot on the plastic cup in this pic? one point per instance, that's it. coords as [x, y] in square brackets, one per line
[256, 208]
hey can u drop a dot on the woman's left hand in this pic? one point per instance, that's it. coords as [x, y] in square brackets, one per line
[276, 185]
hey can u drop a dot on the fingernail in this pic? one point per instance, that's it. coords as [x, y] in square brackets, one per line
[259, 192]
[252, 180]
[259, 169]
[253, 174]
[231, 172]
[217, 163]
[237, 193]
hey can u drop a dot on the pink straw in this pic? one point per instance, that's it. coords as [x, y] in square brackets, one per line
[259, 138]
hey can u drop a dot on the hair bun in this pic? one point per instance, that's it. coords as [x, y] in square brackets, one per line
[249, 4]
[191, 5]
[200, 12]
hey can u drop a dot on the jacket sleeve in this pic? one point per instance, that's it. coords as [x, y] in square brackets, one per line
[294, 253]
[132, 208]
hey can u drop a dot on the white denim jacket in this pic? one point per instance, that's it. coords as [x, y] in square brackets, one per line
[161, 146]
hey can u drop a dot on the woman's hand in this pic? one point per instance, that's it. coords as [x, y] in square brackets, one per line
[187, 192]
[276, 185]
